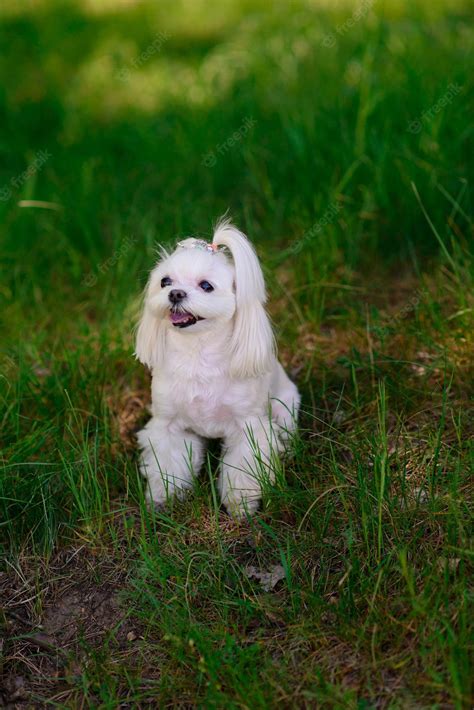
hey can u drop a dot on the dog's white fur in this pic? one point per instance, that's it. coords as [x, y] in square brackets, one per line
[216, 378]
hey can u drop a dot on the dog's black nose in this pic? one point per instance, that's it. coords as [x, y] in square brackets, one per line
[176, 295]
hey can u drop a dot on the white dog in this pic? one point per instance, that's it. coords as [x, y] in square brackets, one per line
[205, 335]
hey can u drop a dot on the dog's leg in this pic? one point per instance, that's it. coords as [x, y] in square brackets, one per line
[285, 402]
[246, 466]
[169, 460]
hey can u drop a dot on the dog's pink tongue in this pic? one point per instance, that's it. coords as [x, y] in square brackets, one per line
[179, 317]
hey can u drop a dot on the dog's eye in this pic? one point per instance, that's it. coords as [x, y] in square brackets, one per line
[166, 282]
[206, 286]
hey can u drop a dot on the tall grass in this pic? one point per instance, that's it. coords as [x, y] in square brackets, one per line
[353, 178]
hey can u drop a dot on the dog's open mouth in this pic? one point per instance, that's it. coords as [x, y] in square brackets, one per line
[183, 319]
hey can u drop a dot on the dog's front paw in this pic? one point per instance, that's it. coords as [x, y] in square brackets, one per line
[160, 492]
[239, 505]
[157, 496]
[156, 501]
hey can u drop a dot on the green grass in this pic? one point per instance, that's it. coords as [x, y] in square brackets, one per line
[365, 232]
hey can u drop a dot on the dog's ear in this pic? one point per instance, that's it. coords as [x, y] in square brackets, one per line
[252, 345]
[150, 340]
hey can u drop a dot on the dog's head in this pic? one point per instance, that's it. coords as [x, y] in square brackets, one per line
[197, 290]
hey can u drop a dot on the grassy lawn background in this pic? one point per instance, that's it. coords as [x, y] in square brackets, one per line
[340, 137]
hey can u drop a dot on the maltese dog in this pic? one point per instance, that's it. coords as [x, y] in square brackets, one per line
[206, 337]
